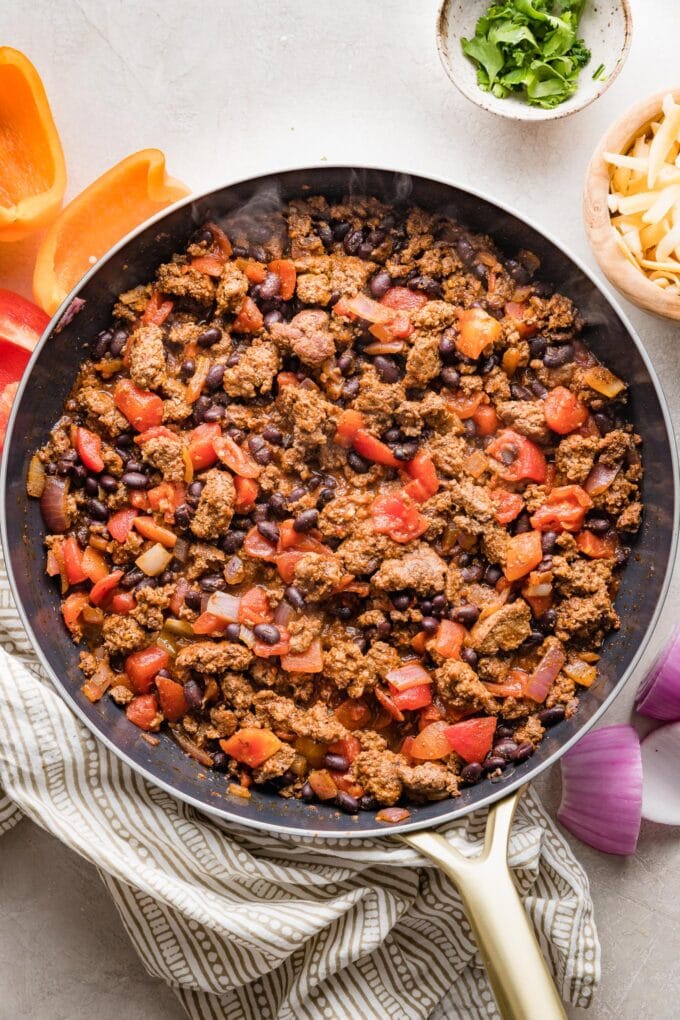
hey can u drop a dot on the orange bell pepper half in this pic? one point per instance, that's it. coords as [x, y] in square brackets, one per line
[122, 198]
[32, 167]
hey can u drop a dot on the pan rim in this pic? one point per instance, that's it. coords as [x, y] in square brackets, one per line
[223, 815]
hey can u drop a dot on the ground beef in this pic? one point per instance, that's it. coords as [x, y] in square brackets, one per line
[213, 657]
[254, 373]
[423, 362]
[307, 336]
[525, 417]
[503, 630]
[183, 281]
[215, 507]
[460, 687]
[378, 773]
[317, 575]
[421, 569]
[575, 457]
[99, 405]
[275, 766]
[429, 781]
[147, 357]
[317, 722]
[166, 455]
[122, 635]
[231, 289]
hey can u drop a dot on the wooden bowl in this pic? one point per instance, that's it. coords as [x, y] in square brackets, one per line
[627, 278]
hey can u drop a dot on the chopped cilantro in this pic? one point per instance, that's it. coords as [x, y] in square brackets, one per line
[531, 48]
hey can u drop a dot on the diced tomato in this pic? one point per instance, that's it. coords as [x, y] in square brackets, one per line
[247, 490]
[89, 447]
[165, 498]
[349, 423]
[207, 623]
[171, 695]
[157, 432]
[249, 318]
[104, 586]
[143, 712]
[148, 528]
[139, 500]
[431, 743]
[284, 379]
[417, 491]
[564, 509]
[255, 271]
[524, 553]
[595, 547]
[384, 698]
[419, 642]
[94, 564]
[486, 420]
[564, 412]
[289, 538]
[236, 459]
[448, 640]
[251, 746]
[123, 602]
[349, 747]
[374, 449]
[259, 547]
[510, 505]
[472, 739]
[71, 608]
[177, 600]
[120, 523]
[157, 310]
[406, 745]
[73, 560]
[265, 651]
[309, 661]
[413, 698]
[478, 330]
[432, 713]
[519, 313]
[404, 300]
[201, 449]
[353, 714]
[527, 460]
[142, 666]
[142, 408]
[396, 516]
[400, 327]
[465, 404]
[422, 469]
[285, 270]
[254, 608]
[211, 265]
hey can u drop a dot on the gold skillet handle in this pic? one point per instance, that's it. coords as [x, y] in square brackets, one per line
[517, 971]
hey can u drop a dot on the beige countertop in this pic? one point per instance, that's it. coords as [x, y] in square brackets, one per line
[230, 89]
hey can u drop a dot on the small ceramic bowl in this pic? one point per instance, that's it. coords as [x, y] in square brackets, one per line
[606, 27]
[626, 277]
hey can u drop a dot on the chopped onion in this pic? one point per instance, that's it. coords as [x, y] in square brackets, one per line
[545, 674]
[35, 481]
[366, 308]
[154, 561]
[659, 694]
[53, 505]
[247, 637]
[600, 478]
[582, 672]
[99, 682]
[181, 550]
[660, 760]
[392, 815]
[192, 749]
[224, 606]
[385, 347]
[539, 584]
[284, 614]
[602, 789]
[603, 381]
[413, 674]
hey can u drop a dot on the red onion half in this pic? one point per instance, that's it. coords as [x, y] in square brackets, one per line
[659, 693]
[660, 760]
[602, 790]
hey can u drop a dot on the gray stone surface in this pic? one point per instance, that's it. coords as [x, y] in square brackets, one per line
[228, 90]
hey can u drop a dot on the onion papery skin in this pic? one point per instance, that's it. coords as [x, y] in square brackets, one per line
[602, 790]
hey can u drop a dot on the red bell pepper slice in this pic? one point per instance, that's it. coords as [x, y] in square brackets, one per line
[201, 450]
[374, 449]
[413, 698]
[349, 747]
[210, 265]
[142, 408]
[72, 607]
[449, 639]
[73, 560]
[595, 547]
[104, 586]
[123, 602]
[143, 712]
[142, 666]
[309, 661]
[354, 714]
[254, 608]
[422, 469]
[236, 459]
[208, 623]
[157, 309]
[249, 318]
[247, 490]
[431, 743]
[349, 423]
[251, 746]
[510, 505]
[148, 528]
[478, 330]
[171, 696]
[472, 739]
[120, 523]
[89, 447]
[21, 322]
[525, 460]
[94, 564]
[285, 270]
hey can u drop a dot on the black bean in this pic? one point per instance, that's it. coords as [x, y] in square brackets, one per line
[334, 298]
[517, 271]
[342, 611]
[134, 465]
[267, 632]
[132, 578]
[124, 440]
[537, 346]
[467, 615]
[233, 359]
[273, 435]
[193, 693]
[220, 761]
[505, 748]
[186, 371]
[272, 317]
[307, 794]
[548, 620]
[598, 525]
[295, 597]
[523, 523]
[430, 624]
[209, 337]
[346, 362]
[488, 364]
[492, 574]
[325, 496]
[621, 554]
[503, 731]
[551, 716]
[305, 521]
[427, 284]
[401, 600]
[297, 493]
[350, 389]
[315, 480]
[325, 234]
[471, 773]
[167, 576]
[183, 516]
[233, 541]
[426, 606]
[263, 456]
[336, 762]
[472, 574]
[439, 602]
[387, 369]
[214, 413]
[538, 389]
[340, 230]
[118, 341]
[493, 762]
[466, 252]
[480, 271]
[545, 564]
[384, 628]
[108, 483]
[357, 463]
[523, 752]
[543, 289]
[232, 632]
[214, 378]
[450, 377]
[261, 513]
[91, 486]
[470, 656]
[212, 582]
[405, 451]
[270, 286]
[365, 250]
[194, 491]
[64, 467]
[352, 242]
[192, 599]
[257, 252]
[347, 803]
[147, 582]
[604, 423]
[536, 637]
[555, 357]
[380, 284]
[102, 345]
[268, 530]
[135, 480]
[83, 534]
[520, 392]
[97, 510]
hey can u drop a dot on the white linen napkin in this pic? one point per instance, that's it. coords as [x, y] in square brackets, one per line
[248, 926]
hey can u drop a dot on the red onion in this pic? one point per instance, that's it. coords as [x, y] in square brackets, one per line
[659, 694]
[224, 606]
[284, 614]
[413, 674]
[181, 550]
[543, 677]
[192, 749]
[660, 791]
[53, 505]
[600, 478]
[602, 790]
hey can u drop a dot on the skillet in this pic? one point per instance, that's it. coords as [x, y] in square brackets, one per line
[518, 975]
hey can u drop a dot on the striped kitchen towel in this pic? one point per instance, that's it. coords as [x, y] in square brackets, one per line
[247, 926]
